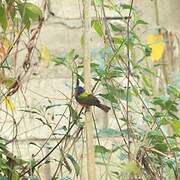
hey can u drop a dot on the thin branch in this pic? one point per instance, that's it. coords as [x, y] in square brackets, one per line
[128, 82]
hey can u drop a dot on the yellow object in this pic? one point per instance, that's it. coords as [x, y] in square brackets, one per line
[9, 104]
[4, 46]
[6, 43]
[84, 94]
[45, 54]
[156, 43]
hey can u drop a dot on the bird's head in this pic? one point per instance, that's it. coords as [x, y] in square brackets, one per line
[79, 90]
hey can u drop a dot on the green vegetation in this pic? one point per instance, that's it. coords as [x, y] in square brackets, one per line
[146, 121]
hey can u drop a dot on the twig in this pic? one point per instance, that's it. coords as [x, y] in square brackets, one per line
[128, 83]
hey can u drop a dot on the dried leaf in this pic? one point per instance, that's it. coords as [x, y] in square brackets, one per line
[156, 43]
[9, 104]
[6, 43]
[45, 54]
[4, 46]
[3, 51]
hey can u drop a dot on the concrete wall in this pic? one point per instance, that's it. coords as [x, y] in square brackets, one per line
[61, 33]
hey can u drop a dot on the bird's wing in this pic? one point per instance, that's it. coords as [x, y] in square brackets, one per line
[89, 100]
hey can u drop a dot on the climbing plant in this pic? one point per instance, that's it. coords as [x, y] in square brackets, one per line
[144, 140]
[16, 19]
[147, 123]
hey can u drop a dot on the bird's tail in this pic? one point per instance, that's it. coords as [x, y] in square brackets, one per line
[104, 107]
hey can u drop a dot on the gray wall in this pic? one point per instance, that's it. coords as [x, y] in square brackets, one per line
[61, 33]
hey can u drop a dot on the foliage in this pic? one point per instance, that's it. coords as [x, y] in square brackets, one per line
[124, 60]
[16, 18]
[123, 71]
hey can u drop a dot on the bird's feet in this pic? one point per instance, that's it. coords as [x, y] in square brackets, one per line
[87, 109]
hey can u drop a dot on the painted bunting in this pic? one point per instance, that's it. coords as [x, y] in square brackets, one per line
[85, 99]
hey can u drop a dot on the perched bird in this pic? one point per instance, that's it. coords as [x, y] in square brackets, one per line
[85, 99]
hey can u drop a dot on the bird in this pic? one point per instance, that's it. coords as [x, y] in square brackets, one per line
[86, 100]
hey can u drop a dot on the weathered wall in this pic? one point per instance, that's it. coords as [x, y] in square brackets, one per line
[63, 32]
[168, 13]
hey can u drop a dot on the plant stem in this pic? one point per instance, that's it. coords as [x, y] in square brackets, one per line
[128, 83]
[87, 77]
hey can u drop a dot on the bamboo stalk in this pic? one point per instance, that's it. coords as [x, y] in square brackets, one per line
[87, 78]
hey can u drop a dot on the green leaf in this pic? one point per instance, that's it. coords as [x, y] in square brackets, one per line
[155, 136]
[150, 71]
[126, 6]
[70, 55]
[161, 147]
[176, 127]
[132, 168]
[159, 100]
[21, 161]
[108, 132]
[148, 119]
[109, 97]
[115, 72]
[170, 106]
[3, 17]
[117, 27]
[163, 121]
[118, 40]
[118, 92]
[165, 103]
[173, 90]
[98, 3]
[140, 22]
[81, 78]
[98, 27]
[15, 176]
[59, 60]
[32, 164]
[29, 111]
[145, 91]
[157, 139]
[75, 164]
[33, 11]
[52, 106]
[8, 82]
[147, 50]
[36, 111]
[147, 81]
[2, 146]
[73, 113]
[101, 149]
[171, 163]
[176, 149]
[29, 11]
